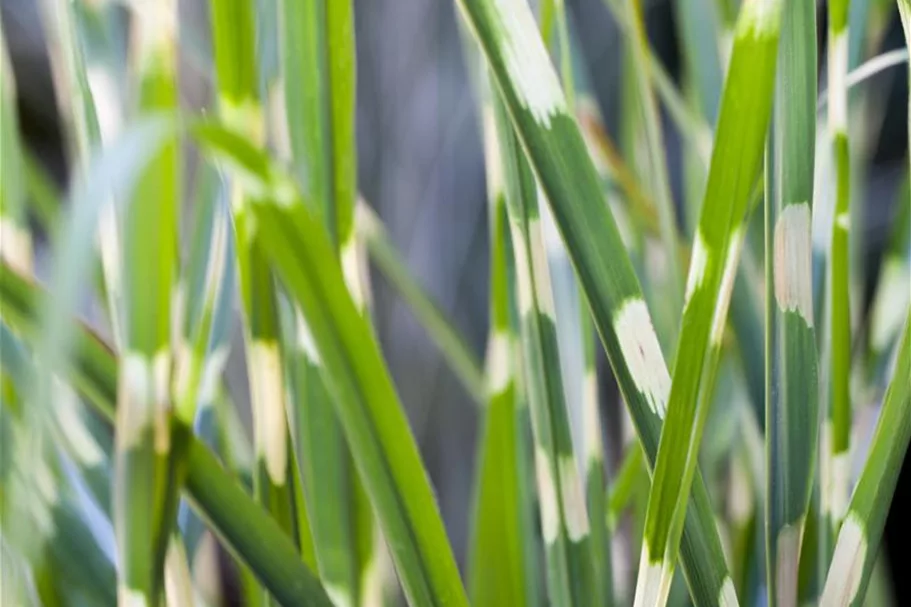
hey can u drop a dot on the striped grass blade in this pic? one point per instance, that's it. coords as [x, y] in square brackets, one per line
[792, 375]
[368, 408]
[296, 243]
[694, 126]
[601, 587]
[317, 55]
[145, 492]
[736, 161]
[248, 532]
[557, 153]
[206, 302]
[564, 517]
[497, 568]
[699, 27]
[205, 297]
[594, 467]
[862, 528]
[836, 438]
[233, 33]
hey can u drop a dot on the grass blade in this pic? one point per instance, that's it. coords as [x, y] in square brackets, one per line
[862, 527]
[564, 517]
[595, 482]
[368, 408]
[206, 302]
[736, 161]
[440, 329]
[836, 440]
[497, 564]
[792, 376]
[233, 33]
[148, 455]
[557, 153]
[601, 586]
[318, 77]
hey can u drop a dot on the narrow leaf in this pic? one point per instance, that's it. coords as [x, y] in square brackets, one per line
[736, 161]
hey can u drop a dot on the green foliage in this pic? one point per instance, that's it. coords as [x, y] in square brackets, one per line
[138, 433]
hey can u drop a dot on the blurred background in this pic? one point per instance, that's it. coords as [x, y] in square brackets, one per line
[421, 168]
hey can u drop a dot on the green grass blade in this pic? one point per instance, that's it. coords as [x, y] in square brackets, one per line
[736, 161]
[68, 64]
[836, 439]
[205, 298]
[593, 468]
[368, 408]
[693, 125]
[594, 471]
[497, 566]
[792, 398]
[747, 323]
[440, 329]
[620, 492]
[318, 77]
[234, 37]
[862, 528]
[247, 531]
[87, 442]
[601, 586]
[698, 24]
[564, 517]
[145, 494]
[41, 517]
[558, 155]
